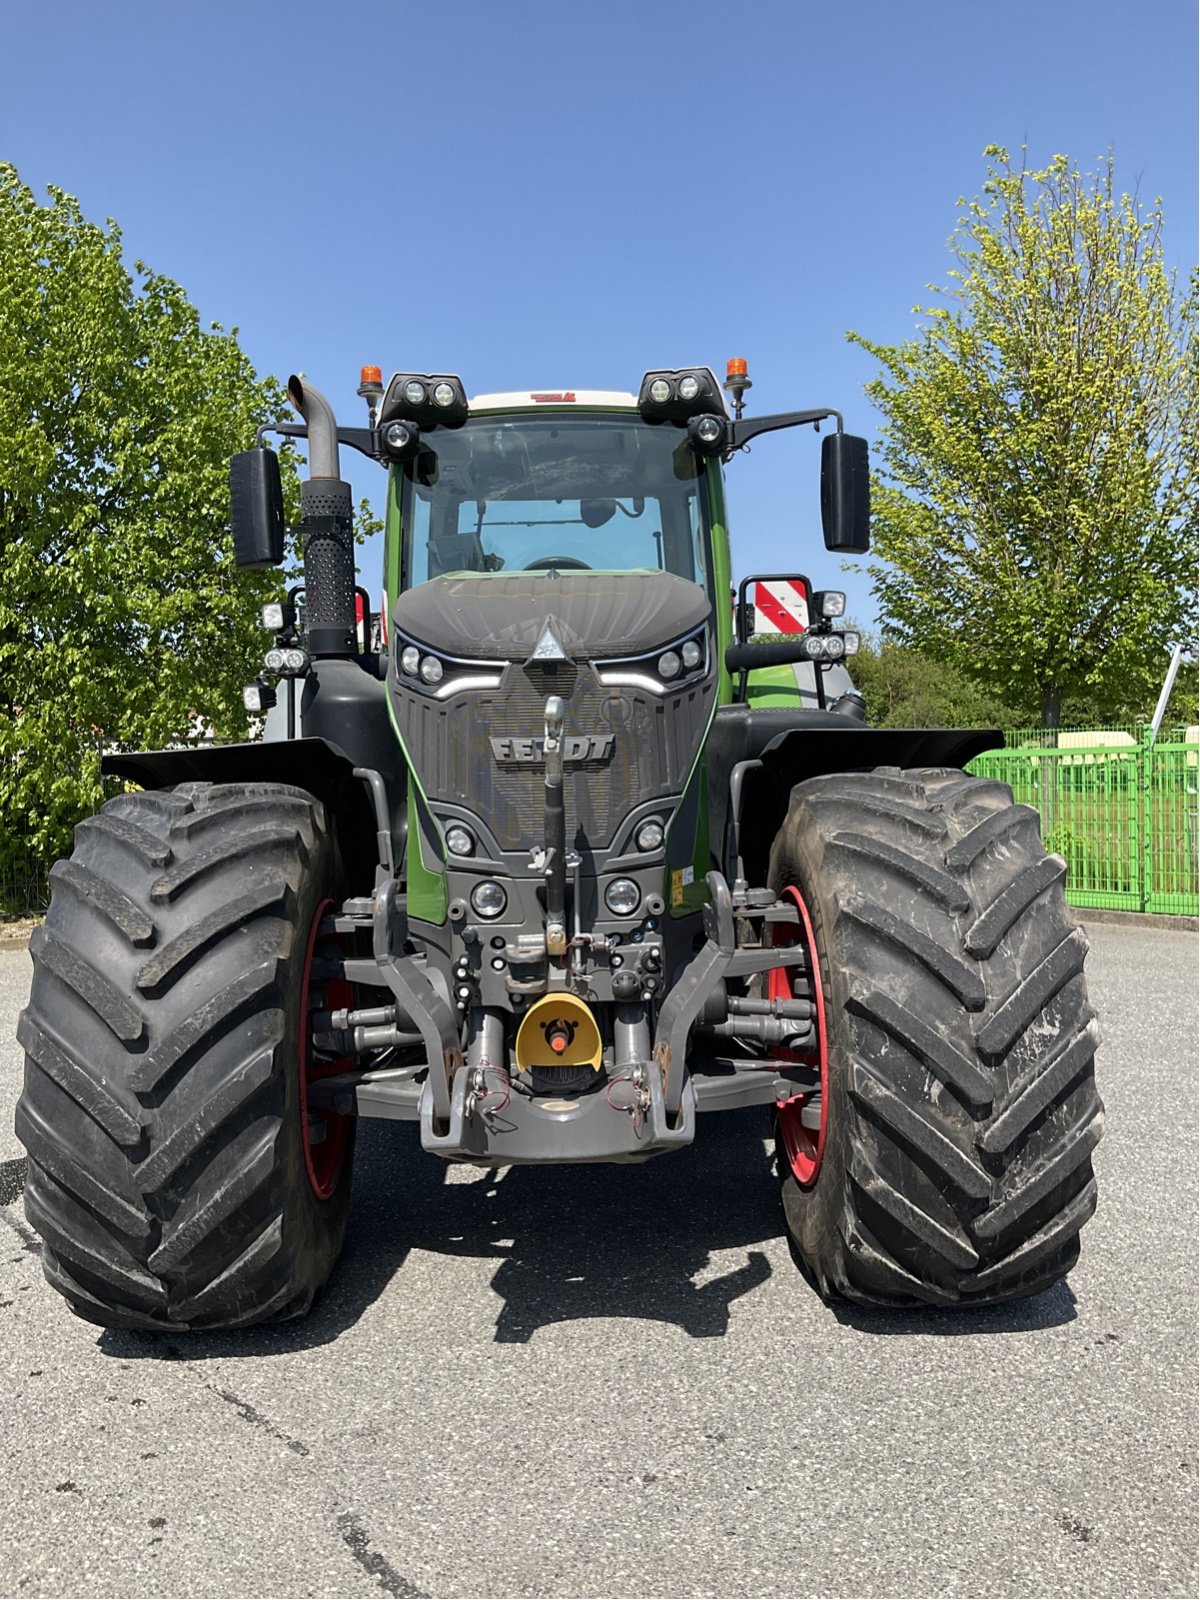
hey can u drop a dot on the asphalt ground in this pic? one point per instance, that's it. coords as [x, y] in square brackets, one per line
[613, 1381]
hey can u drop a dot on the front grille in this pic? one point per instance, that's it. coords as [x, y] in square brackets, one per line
[555, 677]
[655, 740]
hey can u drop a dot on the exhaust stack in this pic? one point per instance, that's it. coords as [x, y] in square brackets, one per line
[327, 523]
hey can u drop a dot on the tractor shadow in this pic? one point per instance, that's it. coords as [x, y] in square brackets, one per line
[569, 1242]
[576, 1242]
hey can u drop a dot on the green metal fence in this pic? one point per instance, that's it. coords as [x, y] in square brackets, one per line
[1117, 804]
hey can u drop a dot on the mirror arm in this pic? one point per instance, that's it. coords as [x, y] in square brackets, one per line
[750, 427]
[364, 440]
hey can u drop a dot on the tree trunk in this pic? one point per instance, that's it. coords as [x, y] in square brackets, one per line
[1051, 705]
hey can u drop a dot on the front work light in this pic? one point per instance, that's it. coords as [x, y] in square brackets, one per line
[258, 697]
[829, 646]
[401, 439]
[829, 603]
[677, 395]
[430, 401]
[708, 435]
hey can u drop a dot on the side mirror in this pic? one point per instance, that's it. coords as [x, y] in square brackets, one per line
[256, 496]
[845, 494]
[595, 513]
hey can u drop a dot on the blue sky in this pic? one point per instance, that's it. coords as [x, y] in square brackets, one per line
[536, 194]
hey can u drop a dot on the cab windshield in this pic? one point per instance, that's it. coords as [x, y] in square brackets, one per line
[524, 493]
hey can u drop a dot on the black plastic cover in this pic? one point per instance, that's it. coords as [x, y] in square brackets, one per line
[596, 615]
[256, 496]
[845, 494]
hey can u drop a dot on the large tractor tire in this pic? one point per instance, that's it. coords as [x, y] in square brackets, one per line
[175, 1174]
[947, 1157]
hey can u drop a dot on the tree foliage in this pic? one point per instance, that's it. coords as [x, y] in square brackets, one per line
[904, 688]
[123, 620]
[1036, 496]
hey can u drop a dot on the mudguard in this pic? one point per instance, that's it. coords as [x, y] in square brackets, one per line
[317, 765]
[794, 744]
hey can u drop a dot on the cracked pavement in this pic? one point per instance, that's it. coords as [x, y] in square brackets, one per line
[614, 1381]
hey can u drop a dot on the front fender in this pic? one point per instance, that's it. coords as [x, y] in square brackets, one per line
[317, 765]
[795, 744]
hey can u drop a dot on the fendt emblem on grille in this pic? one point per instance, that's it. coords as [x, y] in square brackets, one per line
[585, 747]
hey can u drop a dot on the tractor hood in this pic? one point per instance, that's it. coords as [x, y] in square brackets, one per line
[502, 617]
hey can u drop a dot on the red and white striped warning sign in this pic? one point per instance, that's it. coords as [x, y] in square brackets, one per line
[781, 606]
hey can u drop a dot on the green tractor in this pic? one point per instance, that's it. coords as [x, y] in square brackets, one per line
[571, 861]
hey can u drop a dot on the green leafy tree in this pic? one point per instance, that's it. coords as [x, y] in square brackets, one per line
[1036, 496]
[123, 620]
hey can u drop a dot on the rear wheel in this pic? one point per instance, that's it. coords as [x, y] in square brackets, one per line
[176, 1173]
[948, 1157]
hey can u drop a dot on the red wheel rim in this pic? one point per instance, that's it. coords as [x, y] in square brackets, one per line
[803, 1146]
[323, 1155]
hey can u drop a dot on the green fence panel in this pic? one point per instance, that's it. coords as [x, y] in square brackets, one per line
[1120, 810]
[1172, 880]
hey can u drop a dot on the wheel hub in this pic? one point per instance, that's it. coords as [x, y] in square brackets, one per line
[325, 1133]
[802, 1118]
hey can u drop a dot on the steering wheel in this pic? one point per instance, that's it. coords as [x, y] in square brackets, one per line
[558, 561]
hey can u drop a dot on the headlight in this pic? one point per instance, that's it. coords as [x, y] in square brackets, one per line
[295, 661]
[851, 642]
[689, 387]
[460, 841]
[815, 646]
[443, 395]
[414, 393]
[650, 835]
[660, 391]
[829, 603]
[835, 646]
[444, 675]
[272, 618]
[273, 661]
[657, 673]
[489, 899]
[622, 897]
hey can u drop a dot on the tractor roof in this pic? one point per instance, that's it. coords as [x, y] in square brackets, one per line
[542, 399]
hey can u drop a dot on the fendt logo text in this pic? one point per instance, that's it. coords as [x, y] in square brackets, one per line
[588, 747]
